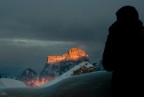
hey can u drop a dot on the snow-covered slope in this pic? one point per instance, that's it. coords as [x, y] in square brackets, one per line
[95, 84]
[68, 74]
[11, 83]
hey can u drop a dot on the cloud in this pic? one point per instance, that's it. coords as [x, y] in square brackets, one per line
[31, 42]
[23, 53]
[47, 20]
[30, 30]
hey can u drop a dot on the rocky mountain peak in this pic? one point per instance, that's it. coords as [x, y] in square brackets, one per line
[74, 54]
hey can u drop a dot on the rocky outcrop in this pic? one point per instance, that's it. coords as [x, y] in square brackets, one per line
[57, 65]
[54, 67]
[84, 69]
[74, 54]
[29, 77]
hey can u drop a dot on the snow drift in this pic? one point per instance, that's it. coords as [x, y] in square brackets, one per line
[11, 83]
[69, 73]
[95, 84]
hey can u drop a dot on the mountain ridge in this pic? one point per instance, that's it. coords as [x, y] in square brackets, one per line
[54, 67]
[72, 55]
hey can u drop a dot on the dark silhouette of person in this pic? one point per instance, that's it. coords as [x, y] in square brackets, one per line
[124, 53]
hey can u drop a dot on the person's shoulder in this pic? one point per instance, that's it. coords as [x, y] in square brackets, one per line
[113, 27]
[142, 33]
[143, 29]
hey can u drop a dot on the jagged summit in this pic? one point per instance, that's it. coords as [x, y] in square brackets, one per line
[73, 54]
[54, 67]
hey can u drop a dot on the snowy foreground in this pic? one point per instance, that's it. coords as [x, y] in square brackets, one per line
[11, 83]
[68, 74]
[96, 84]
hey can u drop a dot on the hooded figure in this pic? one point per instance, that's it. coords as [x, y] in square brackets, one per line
[124, 52]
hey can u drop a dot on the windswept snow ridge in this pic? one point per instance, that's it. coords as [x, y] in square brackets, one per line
[68, 74]
[95, 84]
[11, 83]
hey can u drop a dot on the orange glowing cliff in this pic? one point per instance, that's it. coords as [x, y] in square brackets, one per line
[73, 54]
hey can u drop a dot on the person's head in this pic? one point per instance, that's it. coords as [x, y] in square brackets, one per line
[127, 14]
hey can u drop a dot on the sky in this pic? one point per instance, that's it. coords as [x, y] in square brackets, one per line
[31, 30]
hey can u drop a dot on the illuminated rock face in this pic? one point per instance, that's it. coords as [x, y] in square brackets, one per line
[73, 54]
[57, 65]
[55, 59]
[54, 67]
